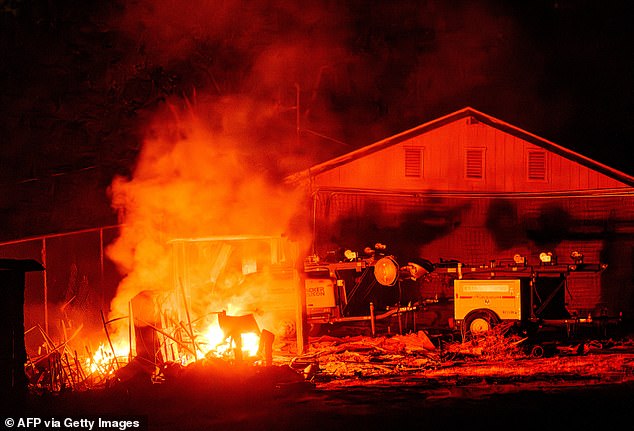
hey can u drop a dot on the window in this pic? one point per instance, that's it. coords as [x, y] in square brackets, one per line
[536, 166]
[413, 162]
[474, 163]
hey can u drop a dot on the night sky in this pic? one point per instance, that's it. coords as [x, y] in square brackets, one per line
[81, 82]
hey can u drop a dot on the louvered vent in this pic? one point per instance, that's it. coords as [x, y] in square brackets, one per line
[536, 165]
[474, 163]
[413, 162]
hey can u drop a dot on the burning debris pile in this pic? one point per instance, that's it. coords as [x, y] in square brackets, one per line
[55, 368]
[157, 346]
[63, 368]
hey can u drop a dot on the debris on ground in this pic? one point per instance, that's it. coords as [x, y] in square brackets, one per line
[390, 356]
[496, 344]
[397, 354]
[362, 355]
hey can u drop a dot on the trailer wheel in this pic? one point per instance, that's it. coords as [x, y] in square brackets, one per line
[537, 351]
[479, 322]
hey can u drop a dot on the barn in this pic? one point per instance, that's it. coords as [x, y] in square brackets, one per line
[472, 188]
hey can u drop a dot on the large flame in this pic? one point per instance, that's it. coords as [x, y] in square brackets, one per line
[199, 178]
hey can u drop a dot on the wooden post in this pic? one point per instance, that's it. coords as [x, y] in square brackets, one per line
[189, 320]
[301, 317]
[372, 319]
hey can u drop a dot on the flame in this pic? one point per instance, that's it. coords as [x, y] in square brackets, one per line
[219, 345]
[212, 181]
[211, 342]
[250, 343]
[103, 361]
[214, 342]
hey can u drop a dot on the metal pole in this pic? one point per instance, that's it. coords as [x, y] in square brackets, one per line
[45, 286]
[301, 334]
[105, 328]
[532, 286]
[314, 238]
[101, 269]
[297, 115]
[189, 321]
[130, 328]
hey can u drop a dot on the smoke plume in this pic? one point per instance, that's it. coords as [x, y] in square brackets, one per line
[194, 178]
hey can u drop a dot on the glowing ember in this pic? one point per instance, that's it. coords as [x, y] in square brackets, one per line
[104, 361]
[216, 343]
[250, 343]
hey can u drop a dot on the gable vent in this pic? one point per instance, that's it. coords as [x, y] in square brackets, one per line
[413, 162]
[474, 167]
[536, 165]
[472, 120]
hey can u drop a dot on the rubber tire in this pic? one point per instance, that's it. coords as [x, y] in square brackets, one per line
[479, 322]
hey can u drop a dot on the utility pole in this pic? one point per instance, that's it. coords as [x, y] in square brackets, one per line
[296, 115]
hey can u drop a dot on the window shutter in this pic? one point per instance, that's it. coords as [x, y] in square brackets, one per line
[474, 167]
[413, 162]
[536, 165]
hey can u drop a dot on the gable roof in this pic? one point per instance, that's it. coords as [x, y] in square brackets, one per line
[464, 113]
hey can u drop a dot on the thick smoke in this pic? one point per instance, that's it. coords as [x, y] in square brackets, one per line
[194, 178]
[273, 87]
[364, 71]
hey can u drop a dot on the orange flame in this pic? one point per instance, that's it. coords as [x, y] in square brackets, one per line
[198, 177]
[103, 360]
[219, 345]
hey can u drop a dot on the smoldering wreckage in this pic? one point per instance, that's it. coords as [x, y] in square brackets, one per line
[364, 318]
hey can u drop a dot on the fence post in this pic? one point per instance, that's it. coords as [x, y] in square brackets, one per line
[45, 286]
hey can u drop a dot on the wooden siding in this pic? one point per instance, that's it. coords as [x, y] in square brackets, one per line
[443, 165]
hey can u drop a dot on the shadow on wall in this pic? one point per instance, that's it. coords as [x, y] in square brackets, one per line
[552, 225]
[504, 224]
[406, 231]
[509, 225]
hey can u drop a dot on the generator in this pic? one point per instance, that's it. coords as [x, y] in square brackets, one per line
[501, 297]
[474, 298]
[533, 296]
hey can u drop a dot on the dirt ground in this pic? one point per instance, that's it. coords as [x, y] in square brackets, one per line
[374, 383]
